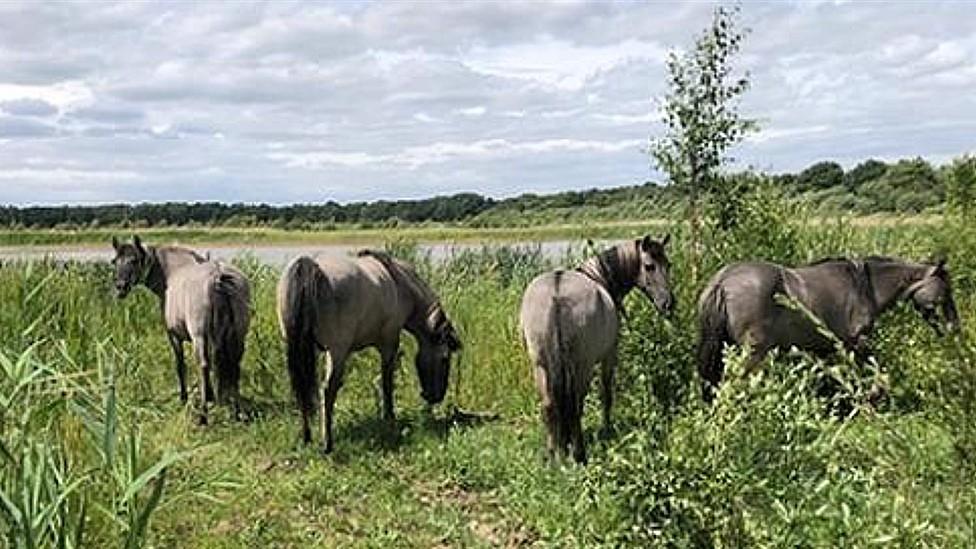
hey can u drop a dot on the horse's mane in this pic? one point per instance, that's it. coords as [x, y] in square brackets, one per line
[830, 259]
[403, 274]
[881, 259]
[845, 259]
[609, 265]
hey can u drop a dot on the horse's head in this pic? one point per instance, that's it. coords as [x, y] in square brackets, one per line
[434, 355]
[932, 294]
[653, 273]
[130, 265]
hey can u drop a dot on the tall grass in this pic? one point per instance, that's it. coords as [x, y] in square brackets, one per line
[98, 450]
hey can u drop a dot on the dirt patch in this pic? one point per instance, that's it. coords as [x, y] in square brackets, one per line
[486, 518]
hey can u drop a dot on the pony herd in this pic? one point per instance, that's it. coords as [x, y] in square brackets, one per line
[570, 320]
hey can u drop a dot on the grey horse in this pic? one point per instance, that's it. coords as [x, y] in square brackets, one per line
[570, 321]
[739, 305]
[339, 305]
[204, 302]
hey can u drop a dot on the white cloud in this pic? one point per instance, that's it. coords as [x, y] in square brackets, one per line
[437, 153]
[65, 96]
[558, 63]
[61, 176]
[279, 101]
[473, 112]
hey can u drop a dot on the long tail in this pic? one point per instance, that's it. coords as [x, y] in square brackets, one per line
[712, 336]
[304, 284]
[229, 323]
[560, 372]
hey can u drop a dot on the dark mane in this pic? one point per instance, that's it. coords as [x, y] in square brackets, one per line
[882, 259]
[867, 259]
[607, 268]
[830, 259]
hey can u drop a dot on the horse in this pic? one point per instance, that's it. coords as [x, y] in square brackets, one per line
[740, 306]
[340, 305]
[204, 302]
[570, 320]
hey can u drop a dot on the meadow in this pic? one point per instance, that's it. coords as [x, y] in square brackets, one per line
[98, 451]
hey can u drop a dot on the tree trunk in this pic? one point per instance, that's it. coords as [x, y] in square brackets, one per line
[694, 218]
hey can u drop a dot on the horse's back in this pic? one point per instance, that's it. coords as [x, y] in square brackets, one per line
[363, 305]
[585, 313]
[190, 296]
[748, 291]
[754, 314]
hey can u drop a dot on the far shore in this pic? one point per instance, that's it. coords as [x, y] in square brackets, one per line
[217, 237]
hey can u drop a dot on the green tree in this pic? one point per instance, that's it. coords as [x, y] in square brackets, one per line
[701, 112]
[866, 171]
[822, 175]
[909, 185]
[961, 188]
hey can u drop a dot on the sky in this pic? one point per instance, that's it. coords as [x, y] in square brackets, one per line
[305, 102]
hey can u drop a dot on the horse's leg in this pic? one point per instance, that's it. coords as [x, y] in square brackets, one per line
[388, 363]
[608, 369]
[203, 357]
[328, 391]
[548, 411]
[177, 346]
[577, 440]
[209, 388]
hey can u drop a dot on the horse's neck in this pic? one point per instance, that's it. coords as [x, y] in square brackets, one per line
[616, 278]
[889, 280]
[419, 299]
[416, 323]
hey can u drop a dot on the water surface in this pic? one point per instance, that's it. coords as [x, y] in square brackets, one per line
[279, 255]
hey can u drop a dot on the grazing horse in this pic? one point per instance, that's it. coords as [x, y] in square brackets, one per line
[739, 306]
[203, 302]
[340, 305]
[570, 320]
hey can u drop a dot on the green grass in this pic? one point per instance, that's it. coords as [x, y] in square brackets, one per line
[268, 236]
[767, 466]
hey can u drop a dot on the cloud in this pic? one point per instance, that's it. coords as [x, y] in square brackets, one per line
[286, 101]
[442, 152]
[28, 107]
[543, 61]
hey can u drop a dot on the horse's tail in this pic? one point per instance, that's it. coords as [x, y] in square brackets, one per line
[303, 286]
[228, 328]
[713, 334]
[561, 374]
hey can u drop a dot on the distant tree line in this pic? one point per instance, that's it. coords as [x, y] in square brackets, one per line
[906, 186]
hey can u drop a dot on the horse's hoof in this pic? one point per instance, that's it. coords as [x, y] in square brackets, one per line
[202, 421]
[325, 449]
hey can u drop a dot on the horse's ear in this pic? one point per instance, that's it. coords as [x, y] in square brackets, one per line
[646, 243]
[666, 239]
[115, 243]
[138, 242]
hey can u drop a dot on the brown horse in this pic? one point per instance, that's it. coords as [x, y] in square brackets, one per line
[203, 302]
[570, 321]
[739, 306]
[340, 305]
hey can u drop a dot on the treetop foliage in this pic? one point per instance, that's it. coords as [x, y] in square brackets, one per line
[906, 186]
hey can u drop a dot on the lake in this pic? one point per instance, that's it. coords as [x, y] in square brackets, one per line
[279, 255]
